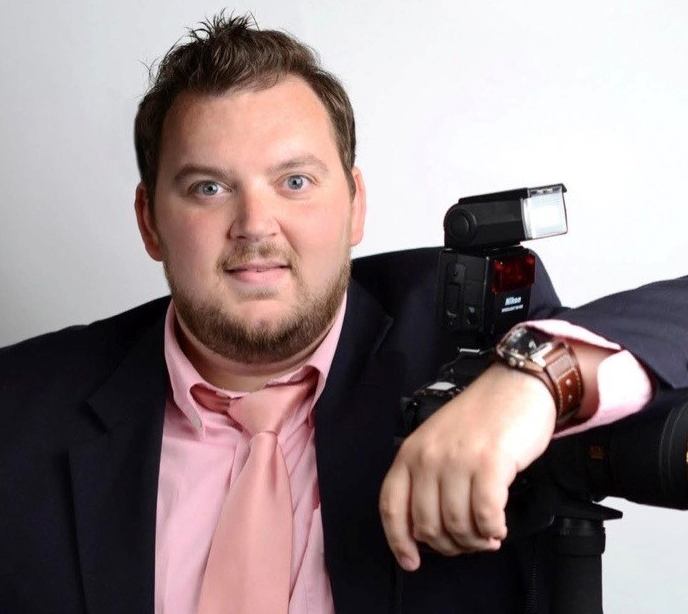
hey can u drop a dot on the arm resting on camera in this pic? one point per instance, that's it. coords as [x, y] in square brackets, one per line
[615, 383]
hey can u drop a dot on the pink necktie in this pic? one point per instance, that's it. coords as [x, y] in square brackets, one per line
[249, 564]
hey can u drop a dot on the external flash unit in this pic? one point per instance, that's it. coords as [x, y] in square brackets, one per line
[506, 218]
[485, 275]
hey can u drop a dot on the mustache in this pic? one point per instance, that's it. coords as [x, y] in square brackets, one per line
[244, 254]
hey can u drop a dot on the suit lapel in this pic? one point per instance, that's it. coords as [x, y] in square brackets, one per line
[114, 478]
[355, 422]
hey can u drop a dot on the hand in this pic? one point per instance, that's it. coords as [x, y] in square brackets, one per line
[448, 485]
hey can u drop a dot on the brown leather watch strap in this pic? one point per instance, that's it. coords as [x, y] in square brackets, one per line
[562, 376]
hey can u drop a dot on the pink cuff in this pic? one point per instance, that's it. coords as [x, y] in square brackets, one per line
[623, 385]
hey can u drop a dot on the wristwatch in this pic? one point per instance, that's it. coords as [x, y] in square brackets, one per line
[549, 359]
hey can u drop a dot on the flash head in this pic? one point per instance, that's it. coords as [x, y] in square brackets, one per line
[506, 218]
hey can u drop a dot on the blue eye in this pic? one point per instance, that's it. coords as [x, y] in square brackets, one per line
[296, 182]
[207, 188]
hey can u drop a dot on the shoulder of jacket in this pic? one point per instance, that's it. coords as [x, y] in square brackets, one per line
[104, 340]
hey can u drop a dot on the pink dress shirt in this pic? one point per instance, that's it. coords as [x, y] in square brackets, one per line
[202, 454]
[204, 451]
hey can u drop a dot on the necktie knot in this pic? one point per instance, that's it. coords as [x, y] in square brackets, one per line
[264, 410]
[268, 409]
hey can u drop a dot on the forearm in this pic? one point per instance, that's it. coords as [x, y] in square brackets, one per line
[615, 384]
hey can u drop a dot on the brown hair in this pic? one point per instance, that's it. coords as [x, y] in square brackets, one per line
[232, 53]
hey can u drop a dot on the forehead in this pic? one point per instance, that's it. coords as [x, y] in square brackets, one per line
[276, 121]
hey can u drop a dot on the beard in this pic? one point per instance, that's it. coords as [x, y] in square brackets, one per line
[265, 342]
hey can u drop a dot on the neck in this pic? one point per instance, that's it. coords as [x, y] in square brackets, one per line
[236, 376]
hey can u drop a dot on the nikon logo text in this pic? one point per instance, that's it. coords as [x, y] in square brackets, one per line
[512, 300]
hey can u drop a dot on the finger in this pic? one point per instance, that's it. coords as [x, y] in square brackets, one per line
[489, 495]
[457, 518]
[394, 512]
[426, 518]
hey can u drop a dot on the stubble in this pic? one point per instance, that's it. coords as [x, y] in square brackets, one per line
[266, 342]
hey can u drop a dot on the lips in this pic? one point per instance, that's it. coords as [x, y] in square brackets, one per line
[258, 272]
[259, 267]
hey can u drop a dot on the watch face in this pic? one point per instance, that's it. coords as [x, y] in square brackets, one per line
[524, 341]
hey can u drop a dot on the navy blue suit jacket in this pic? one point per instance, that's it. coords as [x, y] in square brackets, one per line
[81, 418]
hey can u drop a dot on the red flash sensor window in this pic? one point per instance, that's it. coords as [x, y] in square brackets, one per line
[513, 273]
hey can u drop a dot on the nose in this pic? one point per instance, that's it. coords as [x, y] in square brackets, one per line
[254, 217]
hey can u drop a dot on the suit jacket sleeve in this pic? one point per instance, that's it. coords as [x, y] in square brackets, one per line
[650, 321]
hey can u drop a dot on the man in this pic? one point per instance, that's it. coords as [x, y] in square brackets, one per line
[147, 459]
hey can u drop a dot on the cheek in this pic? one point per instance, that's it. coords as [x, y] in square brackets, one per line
[324, 244]
[323, 247]
[190, 247]
[327, 229]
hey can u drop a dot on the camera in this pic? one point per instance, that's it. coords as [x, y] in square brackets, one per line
[484, 282]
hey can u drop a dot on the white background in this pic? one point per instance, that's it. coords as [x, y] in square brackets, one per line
[452, 99]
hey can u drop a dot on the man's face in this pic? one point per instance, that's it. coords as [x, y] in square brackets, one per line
[253, 219]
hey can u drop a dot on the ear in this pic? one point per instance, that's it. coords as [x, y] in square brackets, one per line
[358, 208]
[146, 222]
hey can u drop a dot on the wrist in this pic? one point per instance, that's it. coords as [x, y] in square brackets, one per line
[548, 359]
[524, 391]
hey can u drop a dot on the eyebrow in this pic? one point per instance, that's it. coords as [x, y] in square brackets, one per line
[216, 171]
[199, 169]
[299, 161]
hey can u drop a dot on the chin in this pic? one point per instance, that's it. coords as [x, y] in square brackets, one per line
[261, 316]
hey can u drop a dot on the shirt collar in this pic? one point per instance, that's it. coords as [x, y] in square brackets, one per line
[183, 375]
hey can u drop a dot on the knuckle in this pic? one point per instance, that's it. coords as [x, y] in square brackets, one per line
[387, 510]
[457, 456]
[456, 524]
[488, 458]
[484, 514]
[462, 534]
[407, 450]
[428, 457]
[425, 532]
[460, 530]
